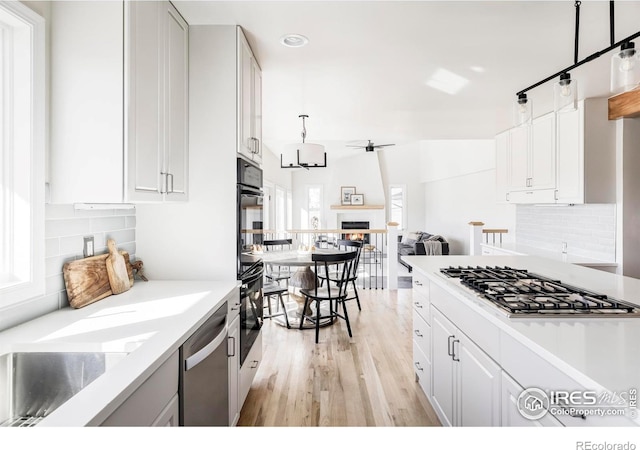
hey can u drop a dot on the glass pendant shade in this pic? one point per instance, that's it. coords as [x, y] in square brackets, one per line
[565, 94]
[522, 111]
[625, 69]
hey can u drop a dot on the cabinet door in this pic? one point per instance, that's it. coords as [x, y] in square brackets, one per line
[144, 95]
[478, 379]
[519, 158]
[256, 111]
[542, 171]
[570, 182]
[442, 380]
[234, 371]
[503, 180]
[170, 415]
[245, 67]
[176, 157]
[511, 416]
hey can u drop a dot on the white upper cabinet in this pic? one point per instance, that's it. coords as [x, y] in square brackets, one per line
[86, 114]
[561, 158]
[157, 102]
[119, 86]
[249, 101]
[586, 154]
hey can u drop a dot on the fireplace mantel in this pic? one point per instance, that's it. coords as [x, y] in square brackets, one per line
[359, 207]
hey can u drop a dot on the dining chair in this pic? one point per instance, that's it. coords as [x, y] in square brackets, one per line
[275, 272]
[334, 295]
[269, 291]
[352, 292]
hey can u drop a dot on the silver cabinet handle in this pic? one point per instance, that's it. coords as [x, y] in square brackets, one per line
[236, 307]
[254, 364]
[417, 332]
[564, 407]
[417, 364]
[453, 350]
[170, 176]
[231, 344]
[418, 283]
[163, 188]
[418, 304]
[449, 345]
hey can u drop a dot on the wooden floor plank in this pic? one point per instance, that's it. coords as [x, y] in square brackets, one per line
[366, 380]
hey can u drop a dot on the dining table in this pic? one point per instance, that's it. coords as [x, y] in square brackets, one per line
[302, 278]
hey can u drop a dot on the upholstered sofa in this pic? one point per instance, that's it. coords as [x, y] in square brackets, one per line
[419, 243]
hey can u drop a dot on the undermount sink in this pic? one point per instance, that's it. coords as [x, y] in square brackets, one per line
[34, 384]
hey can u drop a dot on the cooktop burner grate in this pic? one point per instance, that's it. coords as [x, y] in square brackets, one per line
[520, 292]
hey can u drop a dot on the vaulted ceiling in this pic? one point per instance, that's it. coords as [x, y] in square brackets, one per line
[375, 69]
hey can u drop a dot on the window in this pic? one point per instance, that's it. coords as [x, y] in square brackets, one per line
[397, 202]
[314, 207]
[22, 97]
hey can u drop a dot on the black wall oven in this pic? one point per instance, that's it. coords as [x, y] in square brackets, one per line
[250, 267]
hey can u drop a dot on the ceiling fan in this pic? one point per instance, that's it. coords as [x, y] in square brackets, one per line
[370, 146]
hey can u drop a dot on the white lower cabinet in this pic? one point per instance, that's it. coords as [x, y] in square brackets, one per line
[234, 371]
[249, 368]
[465, 380]
[511, 416]
[154, 403]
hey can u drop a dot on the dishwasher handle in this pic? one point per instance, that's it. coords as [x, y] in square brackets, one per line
[208, 349]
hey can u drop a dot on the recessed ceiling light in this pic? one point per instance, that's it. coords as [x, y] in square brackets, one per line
[294, 40]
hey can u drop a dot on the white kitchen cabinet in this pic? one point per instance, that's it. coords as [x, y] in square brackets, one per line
[249, 368]
[466, 381]
[586, 154]
[234, 371]
[86, 111]
[156, 92]
[525, 162]
[422, 333]
[119, 90]
[154, 402]
[511, 416]
[249, 101]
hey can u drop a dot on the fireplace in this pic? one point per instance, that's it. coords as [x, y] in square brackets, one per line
[355, 225]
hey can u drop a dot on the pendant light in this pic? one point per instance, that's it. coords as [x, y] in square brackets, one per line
[303, 154]
[522, 110]
[625, 69]
[565, 94]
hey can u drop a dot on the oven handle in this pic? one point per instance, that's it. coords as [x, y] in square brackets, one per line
[208, 349]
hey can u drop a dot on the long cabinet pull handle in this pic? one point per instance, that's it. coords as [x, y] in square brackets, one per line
[417, 364]
[170, 176]
[449, 351]
[453, 350]
[231, 344]
[417, 332]
[164, 184]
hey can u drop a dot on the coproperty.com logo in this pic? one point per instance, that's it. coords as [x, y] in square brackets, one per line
[534, 403]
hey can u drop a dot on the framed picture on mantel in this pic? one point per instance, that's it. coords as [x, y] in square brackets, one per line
[357, 199]
[345, 194]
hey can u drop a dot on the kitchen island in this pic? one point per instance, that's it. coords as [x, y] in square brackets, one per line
[148, 323]
[583, 357]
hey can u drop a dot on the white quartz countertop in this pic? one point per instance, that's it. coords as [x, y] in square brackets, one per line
[519, 249]
[599, 353]
[150, 322]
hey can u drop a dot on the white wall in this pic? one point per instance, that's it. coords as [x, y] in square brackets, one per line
[459, 187]
[400, 165]
[272, 172]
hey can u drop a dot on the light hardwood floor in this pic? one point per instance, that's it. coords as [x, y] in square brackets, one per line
[367, 380]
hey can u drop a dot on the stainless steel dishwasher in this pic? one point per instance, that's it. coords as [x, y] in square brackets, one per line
[204, 374]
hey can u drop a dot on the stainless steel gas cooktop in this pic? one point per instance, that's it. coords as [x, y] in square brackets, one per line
[521, 293]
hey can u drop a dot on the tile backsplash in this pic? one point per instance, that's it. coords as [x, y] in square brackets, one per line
[588, 230]
[65, 229]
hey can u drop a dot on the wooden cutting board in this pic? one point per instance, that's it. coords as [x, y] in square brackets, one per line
[87, 280]
[116, 269]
